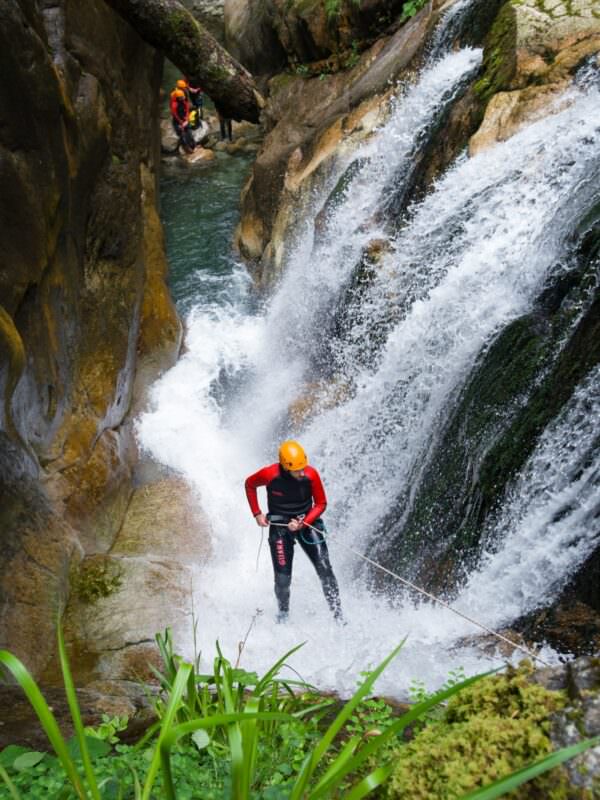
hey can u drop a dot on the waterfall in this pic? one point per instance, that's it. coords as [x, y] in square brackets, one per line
[550, 521]
[468, 260]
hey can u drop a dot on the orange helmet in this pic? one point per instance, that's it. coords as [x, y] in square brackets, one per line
[177, 93]
[292, 456]
[181, 84]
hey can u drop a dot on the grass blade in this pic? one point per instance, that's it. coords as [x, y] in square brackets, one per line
[45, 716]
[268, 676]
[312, 761]
[250, 729]
[10, 785]
[76, 716]
[504, 785]
[179, 685]
[371, 782]
[323, 787]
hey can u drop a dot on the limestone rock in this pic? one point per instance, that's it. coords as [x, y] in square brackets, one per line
[169, 141]
[533, 51]
[509, 112]
[580, 720]
[79, 283]
[309, 123]
[251, 37]
[199, 155]
[121, 600]
[21, 726]
[267, 34]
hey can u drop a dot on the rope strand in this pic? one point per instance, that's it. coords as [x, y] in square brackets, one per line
[430, 596]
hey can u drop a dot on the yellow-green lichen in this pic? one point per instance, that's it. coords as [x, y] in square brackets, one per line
[489, 730]
[96, 578]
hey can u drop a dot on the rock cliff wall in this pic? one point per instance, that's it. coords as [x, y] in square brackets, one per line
[82, 293]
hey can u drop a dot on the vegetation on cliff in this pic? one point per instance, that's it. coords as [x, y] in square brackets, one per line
[271, 738]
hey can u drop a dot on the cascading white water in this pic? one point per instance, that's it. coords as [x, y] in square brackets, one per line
[551, 514]
[471, 258]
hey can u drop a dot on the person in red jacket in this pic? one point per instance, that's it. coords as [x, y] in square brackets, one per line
[179, 106]
[296, 499]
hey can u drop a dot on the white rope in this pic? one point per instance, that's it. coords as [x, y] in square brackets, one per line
[429, 595]
[262, 531]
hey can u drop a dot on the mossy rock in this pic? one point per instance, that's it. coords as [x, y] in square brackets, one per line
[521, 382]
[95, 578]
[489, 730]
[500, 55]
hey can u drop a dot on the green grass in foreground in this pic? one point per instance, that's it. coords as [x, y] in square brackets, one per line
[231, 734]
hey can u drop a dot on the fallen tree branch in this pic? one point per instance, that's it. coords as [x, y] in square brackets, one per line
[170, 27]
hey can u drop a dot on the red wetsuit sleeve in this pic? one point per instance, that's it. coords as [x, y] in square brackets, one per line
[319, 496]
[263, 477]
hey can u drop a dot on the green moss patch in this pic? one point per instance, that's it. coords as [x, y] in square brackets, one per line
[500, 55]
[489, 730]
[96, 577]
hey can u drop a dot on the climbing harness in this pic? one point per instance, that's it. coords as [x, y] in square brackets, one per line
[426, 594]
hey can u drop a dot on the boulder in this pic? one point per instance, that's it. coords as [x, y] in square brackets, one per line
[122, 599]
[532, 54]
[199, 156]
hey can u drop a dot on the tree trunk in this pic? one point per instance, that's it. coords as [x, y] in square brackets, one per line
[169, 27]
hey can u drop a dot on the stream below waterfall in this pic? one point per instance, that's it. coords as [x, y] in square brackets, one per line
[467, 261]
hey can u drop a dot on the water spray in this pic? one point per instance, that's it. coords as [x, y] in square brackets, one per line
[433, 597]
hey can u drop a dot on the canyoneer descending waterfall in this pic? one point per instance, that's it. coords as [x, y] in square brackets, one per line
[296, 500]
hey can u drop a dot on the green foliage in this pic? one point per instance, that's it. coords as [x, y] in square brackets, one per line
[488, 731]
[371, 716]
[410, 8]
[108, 728]
[95, 579]
[232, 733]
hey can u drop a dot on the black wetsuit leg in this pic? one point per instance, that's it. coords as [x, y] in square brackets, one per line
[314, 545]
[281, 544]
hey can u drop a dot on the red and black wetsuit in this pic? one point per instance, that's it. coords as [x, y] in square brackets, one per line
[180, 114]
[287, 498]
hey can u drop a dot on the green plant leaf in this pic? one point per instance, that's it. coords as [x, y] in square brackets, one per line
[504, 785]
[76, 715]
[179, 685]
[371, 782]
[8, 755]
[96, 747]
[46, 717]
[27, 760]
[12, 789]
[324, 787]
[201, 739]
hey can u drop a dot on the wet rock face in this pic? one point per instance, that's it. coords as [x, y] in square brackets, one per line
[120, 600]
[78, 245]
[268, 34]
[532, 53]
[211, 14]
[579, 720]
[312, 122]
